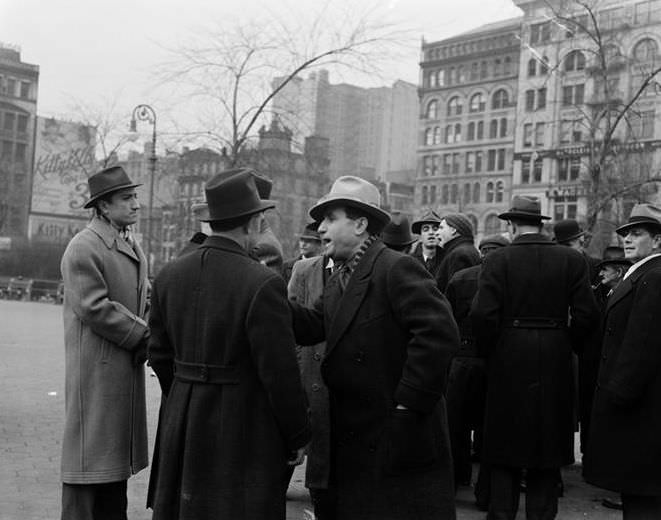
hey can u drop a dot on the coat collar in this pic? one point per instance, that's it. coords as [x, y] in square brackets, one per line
[626, 285]
[109, 235]
[532, 238]
[224, 243]
[353, 296]
[456, 242]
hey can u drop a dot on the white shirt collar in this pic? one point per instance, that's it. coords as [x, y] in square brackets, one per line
[638, 264]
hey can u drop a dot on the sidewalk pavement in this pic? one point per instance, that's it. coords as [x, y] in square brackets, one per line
[31, 422]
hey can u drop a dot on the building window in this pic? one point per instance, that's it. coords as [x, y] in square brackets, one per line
[503, 127]
[432, 194]
[456, 163]
[539, 135]
[455, 106]
[461, 74]
[530, 100]
[25, 90]
[11, 87]
[470, 133]
[429, 137]
[569, 169]
[569, 133]
[475, 71]
[467, 193]
[470, 162]
[20, 153]
[507, 67]
[6, 150]
[478, 161]
[435, 165]
[641, 125]
[454, 192]
[541, 98]
[484, 70]
[497, 67]
[564, 207]
[457, 133]
[490, 192]
[426, 168]
[437, 135]
[476, 193]
[440, 77]
[491, 160]
[500, 191]
[444, 194]
[647, 12]
[540, 33]
[9, 122]
[574, 61]
[22, 123]
[493, 129]
[527, 135]
[544, 66]
[477, 103]
[480, 130]
[646, 50]
[532, 67]
[425, 197]
[499, 99]
[501, 159]
[573, 95]
[432, 109]
[537, 170]
[447, 163]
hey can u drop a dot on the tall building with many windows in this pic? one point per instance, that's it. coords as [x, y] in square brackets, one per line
[468, 101]
[18, 117]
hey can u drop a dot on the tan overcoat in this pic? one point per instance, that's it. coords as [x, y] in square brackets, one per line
[105, 306]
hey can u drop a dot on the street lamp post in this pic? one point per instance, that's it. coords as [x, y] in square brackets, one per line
[147, 113]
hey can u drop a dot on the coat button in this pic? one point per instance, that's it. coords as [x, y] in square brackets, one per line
[315, 387]
[515, 323]
[317, 356]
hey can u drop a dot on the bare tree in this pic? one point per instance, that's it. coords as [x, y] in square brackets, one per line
[227, 72]
[615, 119]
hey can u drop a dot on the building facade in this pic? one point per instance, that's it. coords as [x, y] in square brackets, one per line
[19, 83]
[467, 116]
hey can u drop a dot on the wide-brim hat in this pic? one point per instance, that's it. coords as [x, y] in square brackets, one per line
[310, 232]
[614, 255]
[233, 195]
[397, 232]
[646, 215]
[566, 230]
[108, 181]
[524, 208]
[431, 217]
[354, 192]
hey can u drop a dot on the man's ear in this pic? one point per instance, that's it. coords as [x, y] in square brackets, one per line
[362, 224]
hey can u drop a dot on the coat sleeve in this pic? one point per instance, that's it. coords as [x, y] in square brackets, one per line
[639, 359]
[296, 284]
[425, 314]
[309, 326]
[583, 310]
[86, 290]
[159, 348]
[272, 346]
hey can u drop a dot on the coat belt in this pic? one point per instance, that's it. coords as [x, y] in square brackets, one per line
[534, 323]
[210, 374]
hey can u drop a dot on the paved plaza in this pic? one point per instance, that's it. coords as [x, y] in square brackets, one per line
[32, 409]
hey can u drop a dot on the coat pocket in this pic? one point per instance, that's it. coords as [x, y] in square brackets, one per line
[411, 445]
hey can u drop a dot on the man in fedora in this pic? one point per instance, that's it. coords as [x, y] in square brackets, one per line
[105, 334]
[467, 378]
[568, 233]
[427, 250]
[309, 246]
[624, 450]
[389, 337]
[397, 233]
[455, 236]
[223, 349]
[527, 292]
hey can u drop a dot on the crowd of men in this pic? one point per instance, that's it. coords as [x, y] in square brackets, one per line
[391, 362]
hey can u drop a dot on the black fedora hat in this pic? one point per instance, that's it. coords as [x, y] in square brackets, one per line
[263, 184]
[524, 208]
[235, 195]
[431, 217]
[646, 215]
[566, 230]
[613, 255]
[107, 181]
[397, 232]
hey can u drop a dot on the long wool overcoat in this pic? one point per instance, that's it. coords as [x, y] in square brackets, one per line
[529, 419]
[624, 446]
[105, 305]
[390, 337]
[459, 253]
[306, 286]
[235, 406]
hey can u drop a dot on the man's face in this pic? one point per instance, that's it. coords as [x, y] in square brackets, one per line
[122, 208]
[610, 275]
[255, 230]
[309, 248]
[445, 233]
[428, 234]
[639, 243]
[340, 234]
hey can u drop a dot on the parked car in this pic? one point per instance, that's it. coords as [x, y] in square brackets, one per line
[19, 288]
[44, 290]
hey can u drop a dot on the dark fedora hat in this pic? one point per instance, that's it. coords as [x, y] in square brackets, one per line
[431, 217]
[232, 196]
[310, 232]
[524, 208]
[107, 181]
[646, 215]
[613, 255]
[566, 230]
[397, 232]
[263, 184]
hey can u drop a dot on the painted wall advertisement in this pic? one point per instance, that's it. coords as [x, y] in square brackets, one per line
[64, 158]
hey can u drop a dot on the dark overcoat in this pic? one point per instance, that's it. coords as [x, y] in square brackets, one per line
[459, 253]
[527, 291]
[306, 286]
[235, 406]
[390, 338]
[624, 447]
[434, 263]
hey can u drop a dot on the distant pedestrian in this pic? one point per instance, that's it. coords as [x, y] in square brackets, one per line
[527, 293]
[624, 447]
[427, 250]
[397, 233]
[309, 246]
[105, 336]
[223, 349]
[390, 336]
[455, 236]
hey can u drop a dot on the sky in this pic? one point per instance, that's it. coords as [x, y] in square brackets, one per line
[90, 52]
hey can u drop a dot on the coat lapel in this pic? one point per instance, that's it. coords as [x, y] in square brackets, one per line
[344, 308]
[626, 286]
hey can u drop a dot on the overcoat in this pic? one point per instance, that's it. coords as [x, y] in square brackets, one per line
[223, 349]
[459, 253]
[305, 287]
[105, 305]
[624, 450]
[390, 336]
[434, 263]
[527, 292]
